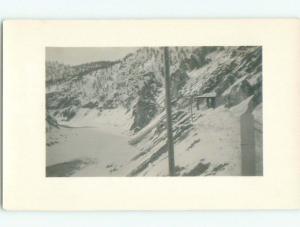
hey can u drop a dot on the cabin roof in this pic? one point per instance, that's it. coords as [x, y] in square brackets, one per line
[207, 95]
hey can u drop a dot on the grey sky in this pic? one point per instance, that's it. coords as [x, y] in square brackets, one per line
[79, 55]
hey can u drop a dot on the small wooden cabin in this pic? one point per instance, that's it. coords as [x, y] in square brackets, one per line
[209, 97]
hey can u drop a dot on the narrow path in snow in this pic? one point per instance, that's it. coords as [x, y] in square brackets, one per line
[87, 152]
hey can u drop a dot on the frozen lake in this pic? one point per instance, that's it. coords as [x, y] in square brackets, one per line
[87, 152]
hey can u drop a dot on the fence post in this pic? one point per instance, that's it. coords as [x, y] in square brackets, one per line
[191, 108]
[248, 144]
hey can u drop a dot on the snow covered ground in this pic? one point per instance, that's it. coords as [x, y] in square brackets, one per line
[211, 147]
[115, 121]
[101, 145]
[96, 152]
[91, 145]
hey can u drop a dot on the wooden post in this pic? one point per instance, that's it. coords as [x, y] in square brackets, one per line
[198, 103]
[248, 144]
[191, 102]
[169, 113]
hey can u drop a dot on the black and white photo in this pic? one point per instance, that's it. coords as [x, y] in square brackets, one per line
[106, 111]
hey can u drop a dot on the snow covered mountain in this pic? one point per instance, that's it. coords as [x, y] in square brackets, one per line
[126, 97]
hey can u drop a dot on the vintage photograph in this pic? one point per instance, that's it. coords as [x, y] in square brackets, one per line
[154, 111]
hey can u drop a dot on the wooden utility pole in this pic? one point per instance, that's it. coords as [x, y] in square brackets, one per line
[169, 113]
[191, 102]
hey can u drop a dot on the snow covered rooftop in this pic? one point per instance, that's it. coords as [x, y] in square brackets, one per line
[207, 95]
